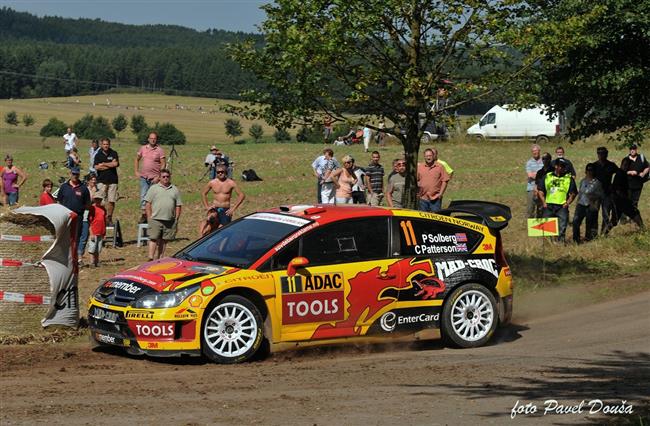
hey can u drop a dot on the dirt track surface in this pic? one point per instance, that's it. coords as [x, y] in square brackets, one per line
[599, 351]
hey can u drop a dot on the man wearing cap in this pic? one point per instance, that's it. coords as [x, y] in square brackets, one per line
[209, 161]
[163, 207]
[636, 168]
[556, 193]
[74, 195]
[153, 161]
[533, 165]
[604, 171]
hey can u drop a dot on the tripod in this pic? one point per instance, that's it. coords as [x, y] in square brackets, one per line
[172, 154]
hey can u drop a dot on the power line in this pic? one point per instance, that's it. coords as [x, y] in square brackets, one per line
[115, 85]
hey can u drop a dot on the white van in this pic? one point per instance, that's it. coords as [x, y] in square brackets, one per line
[502, 123]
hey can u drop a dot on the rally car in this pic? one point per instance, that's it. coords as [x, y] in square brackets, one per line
[315, 274]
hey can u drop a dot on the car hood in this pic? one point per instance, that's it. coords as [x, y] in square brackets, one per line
[170, 274]
[474, 129]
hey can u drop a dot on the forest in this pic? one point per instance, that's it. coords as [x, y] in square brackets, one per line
[54, 56]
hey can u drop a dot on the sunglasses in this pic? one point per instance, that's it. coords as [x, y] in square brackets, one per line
[221, 172]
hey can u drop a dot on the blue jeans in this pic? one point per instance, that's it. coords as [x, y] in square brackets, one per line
[85, 228]
[433, 206]
[12, 198]
[145, 184]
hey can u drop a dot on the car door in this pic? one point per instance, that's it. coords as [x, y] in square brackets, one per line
[337, 293]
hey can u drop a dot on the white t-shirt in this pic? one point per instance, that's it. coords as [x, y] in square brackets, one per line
[70, 141]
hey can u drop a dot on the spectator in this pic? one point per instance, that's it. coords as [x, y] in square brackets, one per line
[622, 205]
[318, 166]
[590, 193]
[73, 158]
[556, 194]
[539, 180]
[327, 128]
[69, 141]
[636, 168]
[344, 179]
[447, 167]
[559, 153]
[221, 158]
[92, 151]
[380, 137]
[209, 162]
[74, 195]
[359, 187]
[604, 171]
[395, 188]
[163, 207]
[91, 184]
[432, 182]
[106, 163]
[12, 179]
[533, 165]
[367, 136]
[221, 211]
[375, 180]
[46, 196]
[97, 221]
[328, 184]
[153, 161]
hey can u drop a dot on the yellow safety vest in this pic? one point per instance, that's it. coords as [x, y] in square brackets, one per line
[557, 188]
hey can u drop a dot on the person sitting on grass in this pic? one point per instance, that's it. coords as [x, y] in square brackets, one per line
[46, 196]
[97, 221]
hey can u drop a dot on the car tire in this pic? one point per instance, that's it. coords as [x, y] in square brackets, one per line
[470, 316]
[232, 330]
[541, 139]
[479, 138]
[426, 138]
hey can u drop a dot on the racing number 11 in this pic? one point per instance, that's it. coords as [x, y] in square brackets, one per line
[409, 235]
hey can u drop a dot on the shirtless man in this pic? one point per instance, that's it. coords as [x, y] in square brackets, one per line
[220, 212]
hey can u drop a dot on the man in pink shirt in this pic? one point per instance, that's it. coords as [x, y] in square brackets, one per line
[432, 182]
[153, 160]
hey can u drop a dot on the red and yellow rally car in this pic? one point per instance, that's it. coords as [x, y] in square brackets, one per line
[317, 274]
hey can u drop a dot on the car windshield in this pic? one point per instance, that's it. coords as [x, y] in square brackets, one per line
[244, 241]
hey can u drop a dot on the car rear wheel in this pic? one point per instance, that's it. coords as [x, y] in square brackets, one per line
[469, 316]
[541, 139]
[232, 330]
[479, 138]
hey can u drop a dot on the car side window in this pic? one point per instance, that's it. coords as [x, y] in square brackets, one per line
[491, 118]
[428, 237]
[350, 241]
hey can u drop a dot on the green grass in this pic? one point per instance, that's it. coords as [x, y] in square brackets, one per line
[492, 170]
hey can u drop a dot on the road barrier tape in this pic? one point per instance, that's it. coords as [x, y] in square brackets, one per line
[26, 238]
[17, 263]
[28, 299]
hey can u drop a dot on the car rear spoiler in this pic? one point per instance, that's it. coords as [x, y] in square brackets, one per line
[493, 215]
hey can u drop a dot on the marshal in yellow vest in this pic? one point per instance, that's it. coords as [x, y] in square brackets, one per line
[557, 188]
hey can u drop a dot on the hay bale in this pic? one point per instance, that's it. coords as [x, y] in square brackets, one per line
[19, 318]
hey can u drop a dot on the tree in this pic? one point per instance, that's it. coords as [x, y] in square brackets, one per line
[99, 128]
[28, 120]
[119, 123]
[83, 125]
[168, 134]
[256, 132]
[11, 118]
[281, 135]
[390, 58]
[594, 62]
[138, 124]
[233, 128]
[54, 127]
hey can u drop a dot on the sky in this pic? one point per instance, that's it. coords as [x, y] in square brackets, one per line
[231, 15]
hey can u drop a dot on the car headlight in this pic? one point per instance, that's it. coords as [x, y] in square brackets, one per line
[165, 300]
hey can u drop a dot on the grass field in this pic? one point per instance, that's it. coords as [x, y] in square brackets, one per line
[488, 171]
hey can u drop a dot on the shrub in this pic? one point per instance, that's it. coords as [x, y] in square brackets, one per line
[281, 135]
[54, 127]
[240, 142]
[11, 118]
[28, 120]
[119, 123]
[233, 128]
[82, 125]
[256, 132]
[168, 134]
[89, 127]
[309, 135]
[138, 125]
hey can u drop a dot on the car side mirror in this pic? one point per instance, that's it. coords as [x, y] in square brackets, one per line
[296, 263]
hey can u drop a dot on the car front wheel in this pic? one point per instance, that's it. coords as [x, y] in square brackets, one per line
[232, 330]
[469, 316]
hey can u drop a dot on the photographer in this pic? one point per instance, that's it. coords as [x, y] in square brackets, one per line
[216, 158]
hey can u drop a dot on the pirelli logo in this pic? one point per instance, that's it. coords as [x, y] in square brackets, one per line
[291, 284]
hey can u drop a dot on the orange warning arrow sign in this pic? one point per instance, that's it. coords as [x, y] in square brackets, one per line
[547, 227]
